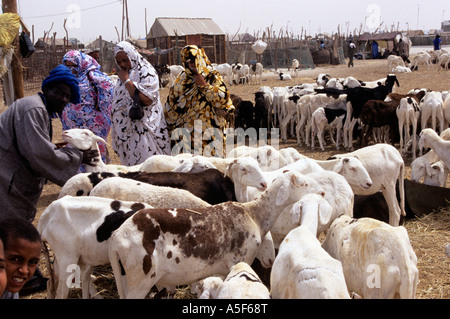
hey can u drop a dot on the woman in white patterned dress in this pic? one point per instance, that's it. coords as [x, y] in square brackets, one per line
[136, 140]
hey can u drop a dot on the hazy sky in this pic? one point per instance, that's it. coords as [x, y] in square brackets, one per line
[87, 19]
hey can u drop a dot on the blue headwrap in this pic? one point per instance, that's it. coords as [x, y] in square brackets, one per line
[63, 74]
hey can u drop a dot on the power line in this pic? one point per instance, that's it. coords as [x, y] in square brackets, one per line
[65, 13]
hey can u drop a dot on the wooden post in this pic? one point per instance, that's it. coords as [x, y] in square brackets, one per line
[16, 62]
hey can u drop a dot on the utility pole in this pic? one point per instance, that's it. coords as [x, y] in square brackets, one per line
[16, 62]
[418, 14]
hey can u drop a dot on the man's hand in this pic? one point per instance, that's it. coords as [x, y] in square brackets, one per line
[90, 157]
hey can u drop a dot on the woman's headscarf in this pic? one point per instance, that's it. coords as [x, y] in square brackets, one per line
[83, 63]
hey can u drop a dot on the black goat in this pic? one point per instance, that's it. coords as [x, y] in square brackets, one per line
[261, 112]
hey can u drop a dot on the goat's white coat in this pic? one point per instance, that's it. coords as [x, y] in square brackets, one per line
[69, 225]
[378, 259]
[302, 269]
[127, 243]
[241, 283]
[430, 139]
[385, 166]
[85, 139]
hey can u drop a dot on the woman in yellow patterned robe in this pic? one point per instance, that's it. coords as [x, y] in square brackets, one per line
[197, 105]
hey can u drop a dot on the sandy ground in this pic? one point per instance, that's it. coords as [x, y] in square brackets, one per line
[428, 235]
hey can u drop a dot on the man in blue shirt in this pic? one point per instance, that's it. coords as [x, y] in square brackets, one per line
[437, 42]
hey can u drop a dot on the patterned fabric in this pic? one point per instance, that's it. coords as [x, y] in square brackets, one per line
[187, 102]
[135, 141]
[96, 88]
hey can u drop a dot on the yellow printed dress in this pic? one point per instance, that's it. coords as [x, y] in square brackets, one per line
[195, 114]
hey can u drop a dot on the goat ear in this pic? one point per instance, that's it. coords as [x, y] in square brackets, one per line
[188, 167]
[324, 211]
[228, 169]
[296, 212]
[283, 194]
[429, 169]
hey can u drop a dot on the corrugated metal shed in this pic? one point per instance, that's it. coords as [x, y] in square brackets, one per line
[163, 27]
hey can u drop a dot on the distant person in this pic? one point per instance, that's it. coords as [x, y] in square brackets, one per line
[351, 53]
[96, 90]
[437, 42]
[95, 54]
[28, 158]
[136, 140]
[22, 249]
[322, 45]
[402, 46]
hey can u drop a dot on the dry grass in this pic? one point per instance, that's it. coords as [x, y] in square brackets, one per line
[428, 235]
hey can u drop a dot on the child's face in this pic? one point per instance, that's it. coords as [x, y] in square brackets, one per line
[22, 258]
[2, 269]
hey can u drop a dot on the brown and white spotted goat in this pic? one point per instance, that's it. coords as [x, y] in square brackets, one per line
[171, 247]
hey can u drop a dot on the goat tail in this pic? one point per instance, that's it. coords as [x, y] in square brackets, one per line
[51, 287]
[401, 185]
[433, 118]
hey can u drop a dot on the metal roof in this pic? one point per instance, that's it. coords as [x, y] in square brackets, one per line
[163, 27]
[378, 36]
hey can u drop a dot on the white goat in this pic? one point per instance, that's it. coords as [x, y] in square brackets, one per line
[241, 283]
[171, 247]
[408, 113]
[322, 79]
[285, 76]
[225, 70]
[385, 166]
[320, 122]
[377, 259]
[320, 100]
[430, 139]
[338, 192]
[394, 61]
[423, 58]
[401, 69]
[241, 72]
[294, 66]
[81, 184]
[437, 176]
[194, 164]
[163, 163]
[421, 166]
[279, 95]
[431, 106]
[255, 71]
[268, 157]
[444, 60]
[78, 230]
[157, 196]
[446, 109]
[291, 155]
[85, 139]
[302, 269]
